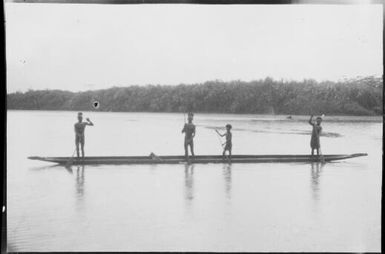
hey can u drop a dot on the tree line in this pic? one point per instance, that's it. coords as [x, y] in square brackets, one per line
[361, 96]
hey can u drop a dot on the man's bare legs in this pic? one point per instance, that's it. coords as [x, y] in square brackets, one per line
[186, 145]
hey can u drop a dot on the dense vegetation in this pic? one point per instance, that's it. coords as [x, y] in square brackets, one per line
[351, 97]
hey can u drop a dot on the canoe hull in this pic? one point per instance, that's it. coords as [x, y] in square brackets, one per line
[126, 160]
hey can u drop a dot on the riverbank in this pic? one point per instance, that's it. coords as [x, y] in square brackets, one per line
[353, 97]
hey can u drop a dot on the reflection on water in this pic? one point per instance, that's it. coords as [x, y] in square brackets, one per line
[79, 186]
[80, 182]
[43, 167]
[189, 181]
[227, 177]
[316, 169]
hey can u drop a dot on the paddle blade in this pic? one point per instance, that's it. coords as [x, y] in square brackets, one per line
[322, 158]
[70, 162]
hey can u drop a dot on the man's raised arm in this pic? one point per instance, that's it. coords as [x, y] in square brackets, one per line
[89, 122]
[311, 120]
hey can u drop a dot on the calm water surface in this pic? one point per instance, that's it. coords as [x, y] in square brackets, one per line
[213, 207]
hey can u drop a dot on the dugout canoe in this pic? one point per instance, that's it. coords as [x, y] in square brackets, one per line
[203, 159]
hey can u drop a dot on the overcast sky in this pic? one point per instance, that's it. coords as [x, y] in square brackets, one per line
[81, 47]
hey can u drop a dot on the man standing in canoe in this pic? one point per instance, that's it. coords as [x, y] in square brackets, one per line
[228, 144]
[316, 132]
[79, 132]
[189, 131]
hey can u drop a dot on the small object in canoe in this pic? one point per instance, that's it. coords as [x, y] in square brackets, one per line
[202, 159]
[155, 157]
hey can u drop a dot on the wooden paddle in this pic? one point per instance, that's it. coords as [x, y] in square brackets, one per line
[219, 138]
[320, 151]
[321, 156]
[71, 160]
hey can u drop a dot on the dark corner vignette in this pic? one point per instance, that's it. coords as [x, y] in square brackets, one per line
[3, 152]
[159, 1]
[337, 2]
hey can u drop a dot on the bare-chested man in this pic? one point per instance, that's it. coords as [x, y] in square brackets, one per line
[79, 132]
[189, 131]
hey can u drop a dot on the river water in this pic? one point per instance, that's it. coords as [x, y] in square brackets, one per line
[208, 207]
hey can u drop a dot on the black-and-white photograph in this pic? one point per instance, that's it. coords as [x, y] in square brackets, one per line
[193, 127]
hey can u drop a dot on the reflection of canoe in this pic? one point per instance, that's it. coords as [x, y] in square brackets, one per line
[198, 159]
